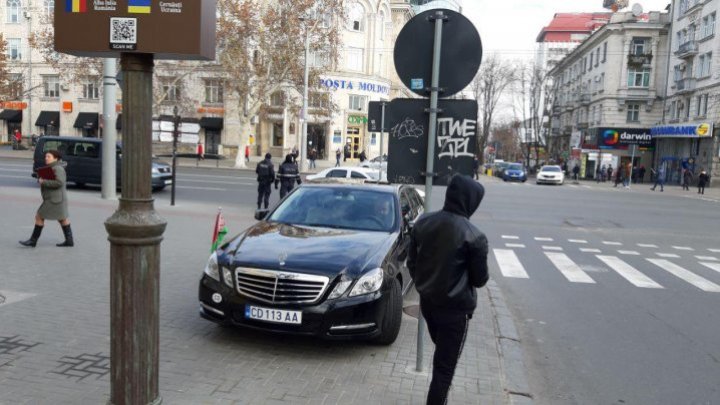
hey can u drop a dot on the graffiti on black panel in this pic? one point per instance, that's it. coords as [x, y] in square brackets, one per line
[454, 137]
[406, 129]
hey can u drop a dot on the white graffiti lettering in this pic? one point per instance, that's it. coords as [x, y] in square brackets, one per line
[407, 129]
[454, 137]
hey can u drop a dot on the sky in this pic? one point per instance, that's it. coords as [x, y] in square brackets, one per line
[509, 27]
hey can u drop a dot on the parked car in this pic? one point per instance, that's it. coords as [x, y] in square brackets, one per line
[376, 163]
[514, 172]
[83, 157]
[550, 175]
[328, 261]
[499, 168]
[348, 173]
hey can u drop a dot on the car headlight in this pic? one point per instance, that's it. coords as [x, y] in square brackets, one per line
[370, 282]
[227, 277]
[155, 170]
[211, 268]
[340, 287]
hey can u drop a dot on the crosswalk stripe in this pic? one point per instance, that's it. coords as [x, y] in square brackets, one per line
[711, 265]
[692, 278]
[612, 243]
[647, 245]
[714, 250]
[706, 257]
[509, 264]
[682, 248]
[669, 255]
[568, 268]
[510, 237]
[514, 245]
[543, 239]
[552, 248]
[628, 252]
[628, 272]
[589, 250]
[577, 241]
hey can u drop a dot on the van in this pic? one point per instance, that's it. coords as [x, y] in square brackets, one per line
[83, 157]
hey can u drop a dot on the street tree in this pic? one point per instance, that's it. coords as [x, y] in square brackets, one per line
[488, 87]
[261, 51]
[4, 72]
[507, 140]
[530, 105]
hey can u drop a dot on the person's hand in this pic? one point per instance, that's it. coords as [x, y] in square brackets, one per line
[41, 180]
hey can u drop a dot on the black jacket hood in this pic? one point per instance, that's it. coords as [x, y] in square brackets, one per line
[463, 196]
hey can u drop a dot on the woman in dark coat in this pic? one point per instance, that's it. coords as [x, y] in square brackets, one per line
[702, 181]
[54, 205]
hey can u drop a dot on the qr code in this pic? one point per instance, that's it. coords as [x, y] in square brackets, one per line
[123, 30]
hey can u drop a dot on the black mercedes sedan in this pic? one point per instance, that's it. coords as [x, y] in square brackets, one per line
[328, 261]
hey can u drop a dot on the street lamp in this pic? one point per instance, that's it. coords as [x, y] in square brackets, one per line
[303, 135]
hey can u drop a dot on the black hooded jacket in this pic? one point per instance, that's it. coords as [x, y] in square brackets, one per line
[448, 254]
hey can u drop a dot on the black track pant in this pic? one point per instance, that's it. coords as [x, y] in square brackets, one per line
[447, 329]
[263, 194]
[286, 187]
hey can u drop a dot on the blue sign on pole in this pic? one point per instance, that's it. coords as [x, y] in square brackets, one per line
[416, 84]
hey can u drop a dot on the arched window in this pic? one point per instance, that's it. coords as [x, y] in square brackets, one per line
[49, 7]
[381, 25]
[277, 99]
[356, 17]
[13, 11]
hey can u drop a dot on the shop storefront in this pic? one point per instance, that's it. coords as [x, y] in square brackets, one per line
[13, 121]
[688, 146]
[603, 147]
[48, 123]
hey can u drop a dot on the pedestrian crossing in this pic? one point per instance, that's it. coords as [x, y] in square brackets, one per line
[642, 265]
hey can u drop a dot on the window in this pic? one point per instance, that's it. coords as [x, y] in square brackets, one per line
[91, 90]
[277, 134]
[51, 85]
[673, 110]
[380, 64]
[604, 52]
[342, 173]
[357, 103]
[381, 26]
[638, 46]
[602, 82]
[701, 104]
[13, 49]
[15, 86]
[170, 90]
[592, 54]
[13, 11]
[318, 100]
[318, 59]
[678, 73]
[213, 91]
[633, 112]
[704, 65]
[354, 59]
[597, 57]
[708, 26]
[356, 17]
[277, 99]
[49, 6]
[638, 77]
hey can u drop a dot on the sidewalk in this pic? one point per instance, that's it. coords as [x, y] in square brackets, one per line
[55, 344]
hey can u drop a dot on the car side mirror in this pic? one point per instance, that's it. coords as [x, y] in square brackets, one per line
[261, 214]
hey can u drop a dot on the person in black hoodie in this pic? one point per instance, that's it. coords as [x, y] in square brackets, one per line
[448, 261]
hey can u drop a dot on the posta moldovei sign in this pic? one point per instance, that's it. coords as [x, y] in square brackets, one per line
[175, 29]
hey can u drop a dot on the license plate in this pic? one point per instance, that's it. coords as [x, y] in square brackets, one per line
[168, 182]
[273, 315]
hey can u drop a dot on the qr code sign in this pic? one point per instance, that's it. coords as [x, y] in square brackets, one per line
[123, 30]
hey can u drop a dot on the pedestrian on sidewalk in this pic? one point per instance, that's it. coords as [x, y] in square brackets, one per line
[338, 154]
[346, 152]
[247, 153]
[447, 260]
[54, 205]
[659, 177]
[313, 157]
[288, 175]
[476, 166]
[265, 178]
[641, 174]
[618, 176]
[576, 172]
[687, 179]
[609, 172]
[200, 151]
[703, 178]
[295, 153]
[362, 156]
[627, 175]
[17, 139]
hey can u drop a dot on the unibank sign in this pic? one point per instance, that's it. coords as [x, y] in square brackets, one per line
[335, 83]
[701, 130]
[621, 138]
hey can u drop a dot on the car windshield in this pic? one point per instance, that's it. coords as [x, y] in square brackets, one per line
[515, 167]
[550, 169]
[339, 207]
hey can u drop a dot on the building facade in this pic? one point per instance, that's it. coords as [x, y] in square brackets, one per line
[608, 93]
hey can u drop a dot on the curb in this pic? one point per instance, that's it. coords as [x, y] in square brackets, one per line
[512, 365]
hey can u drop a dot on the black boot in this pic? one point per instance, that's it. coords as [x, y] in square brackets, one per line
[34, 238]
[68, 237]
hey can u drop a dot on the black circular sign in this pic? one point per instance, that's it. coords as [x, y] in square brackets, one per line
[460, 53]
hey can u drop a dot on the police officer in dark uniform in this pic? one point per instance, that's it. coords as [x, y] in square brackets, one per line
[265, 177]
[288, 174]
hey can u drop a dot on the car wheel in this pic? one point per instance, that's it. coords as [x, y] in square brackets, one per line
[505, 180]
[392, 316]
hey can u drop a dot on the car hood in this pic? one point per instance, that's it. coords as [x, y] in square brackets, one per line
[312, 250]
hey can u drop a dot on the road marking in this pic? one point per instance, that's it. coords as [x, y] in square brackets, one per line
[577, 241]
[628, 272]
[514, 245]
[628, 252]
[647, 245]
[589, 250]
[692, 278]
[552, 248]
[543, 239]
[668, 255]
[509, 264]
[510, 237]
[714, 250]
[568, 268]
[714, 266]
[202, 188]
[682, 248]
[706, 257]
[605, 242]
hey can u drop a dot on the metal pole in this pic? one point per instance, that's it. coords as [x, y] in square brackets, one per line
[382, 136]
[135, 231]
[30, 77]
[632, 165]
[176, 124]
[432, 127]
[303, 140]
[109, 154]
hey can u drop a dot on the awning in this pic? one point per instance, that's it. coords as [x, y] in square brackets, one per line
[86, 120]
[11, 115]
[46, 118]
[211, 123]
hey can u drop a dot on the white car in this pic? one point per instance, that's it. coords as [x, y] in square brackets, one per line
[347, 172]
[550, 175]
[376, 163]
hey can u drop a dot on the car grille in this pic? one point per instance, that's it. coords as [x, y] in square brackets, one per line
[164, 169]
[280, 287]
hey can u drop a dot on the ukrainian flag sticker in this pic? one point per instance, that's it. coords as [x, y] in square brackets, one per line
[139, 6]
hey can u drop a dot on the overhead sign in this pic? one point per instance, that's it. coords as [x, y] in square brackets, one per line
[176, 29]
[408, 136]
[621, 138]
[701, 130]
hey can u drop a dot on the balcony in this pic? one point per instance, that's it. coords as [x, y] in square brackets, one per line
[685, 85]
[689, 48]
[639, 60]
[585, 98]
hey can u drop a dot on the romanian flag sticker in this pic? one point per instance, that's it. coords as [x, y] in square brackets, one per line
[76, 6]
[139, 6]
